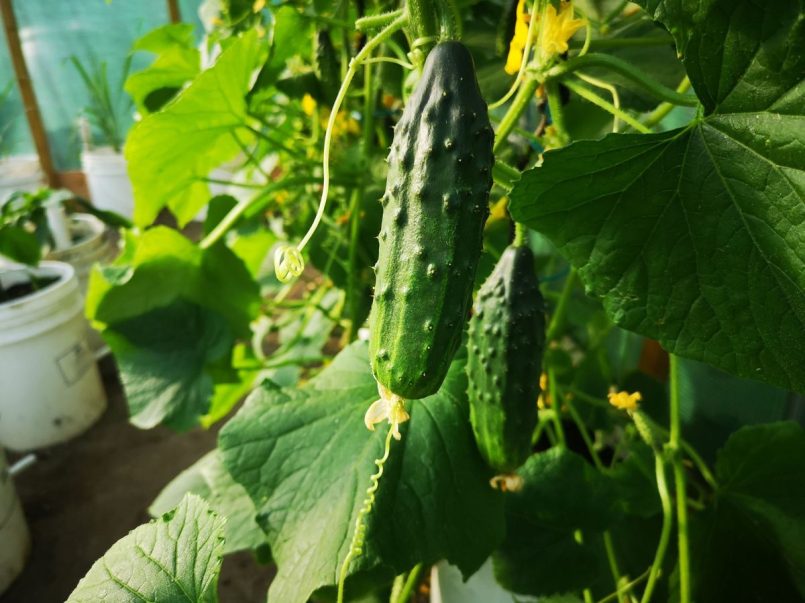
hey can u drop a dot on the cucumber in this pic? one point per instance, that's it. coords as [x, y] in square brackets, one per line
[504, 360]
[434, 208]
[326, 66]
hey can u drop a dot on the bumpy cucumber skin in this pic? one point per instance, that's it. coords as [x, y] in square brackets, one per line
[435, 206]
[504, 360]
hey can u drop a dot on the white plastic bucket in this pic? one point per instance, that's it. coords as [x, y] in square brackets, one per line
[108, 181]
[15, 540]
[50, 388]
[93, 246]
[20, 173]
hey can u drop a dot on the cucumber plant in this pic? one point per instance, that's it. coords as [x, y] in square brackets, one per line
[619, 187]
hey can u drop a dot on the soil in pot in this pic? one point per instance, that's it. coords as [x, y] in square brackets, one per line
[19, 290]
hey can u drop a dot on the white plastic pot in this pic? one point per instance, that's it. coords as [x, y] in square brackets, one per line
[92, 246]
[108, 180]
[15, 540]
[20, 173]
[50, 388]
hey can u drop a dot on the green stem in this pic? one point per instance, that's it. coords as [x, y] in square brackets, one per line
[519, 104]
[664, 109]
[422, 24]
[591, 96]
[674, 443]
[625, 69]
[557, 407]
[625, 588]
[557, 112]
[504, 175]
[410, 585]
[236, 212]
[610, 43]
[449, 20]
[667, 523]
[558, 318]
[520, 234]
[377, 21]
[609, 545]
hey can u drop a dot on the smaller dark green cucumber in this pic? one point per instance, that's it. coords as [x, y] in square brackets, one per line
[504, 360]
[326, 66]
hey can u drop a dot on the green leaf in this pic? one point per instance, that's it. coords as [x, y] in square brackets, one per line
[693, 236]
[173, 559]
[209, 479]
[740, 55]
[19, 245]
[164, 357]
[305, 458]
[177, 62]
[161, 266]
[290, 36]
[539, 560]
[545, 499]
[755, 532]
[170, 152]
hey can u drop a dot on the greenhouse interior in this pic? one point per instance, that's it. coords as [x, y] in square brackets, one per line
[402, 301]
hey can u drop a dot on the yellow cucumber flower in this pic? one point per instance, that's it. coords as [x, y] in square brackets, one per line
[308, 105]
[558, 29]
[517, 45]
[624, 400]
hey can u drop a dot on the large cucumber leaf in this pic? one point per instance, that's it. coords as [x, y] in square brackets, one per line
[170, 152]
[695, 237]
[175, 558]
[305, 457]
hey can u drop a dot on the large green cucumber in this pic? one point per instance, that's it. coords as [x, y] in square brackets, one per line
[504, 360]
[326, 66]
[435, 206]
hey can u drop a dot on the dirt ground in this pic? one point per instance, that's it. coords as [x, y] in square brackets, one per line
[82, 496]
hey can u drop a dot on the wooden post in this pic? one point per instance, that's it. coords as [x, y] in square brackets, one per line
[27, 91]
[173, 11]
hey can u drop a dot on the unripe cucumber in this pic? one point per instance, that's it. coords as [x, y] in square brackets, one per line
[435, 206]
[326, 66]
[504, 360]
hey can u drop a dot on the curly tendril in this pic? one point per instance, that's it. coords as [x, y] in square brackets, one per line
[288, 263]
[359, 536]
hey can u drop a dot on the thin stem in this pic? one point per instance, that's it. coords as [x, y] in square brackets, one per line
[674, 443]
[609, 545]
[558, 317]
[627, 70]
[351, 71]
[607, 106]
[557, 112]
[625, 588]
[664, 109]
[667, 523]
[410, 585]
[505, 175]
[557, 407]
[236, 212]
[610, 43]
[524, 95]
[377, 21]
[616, 101]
